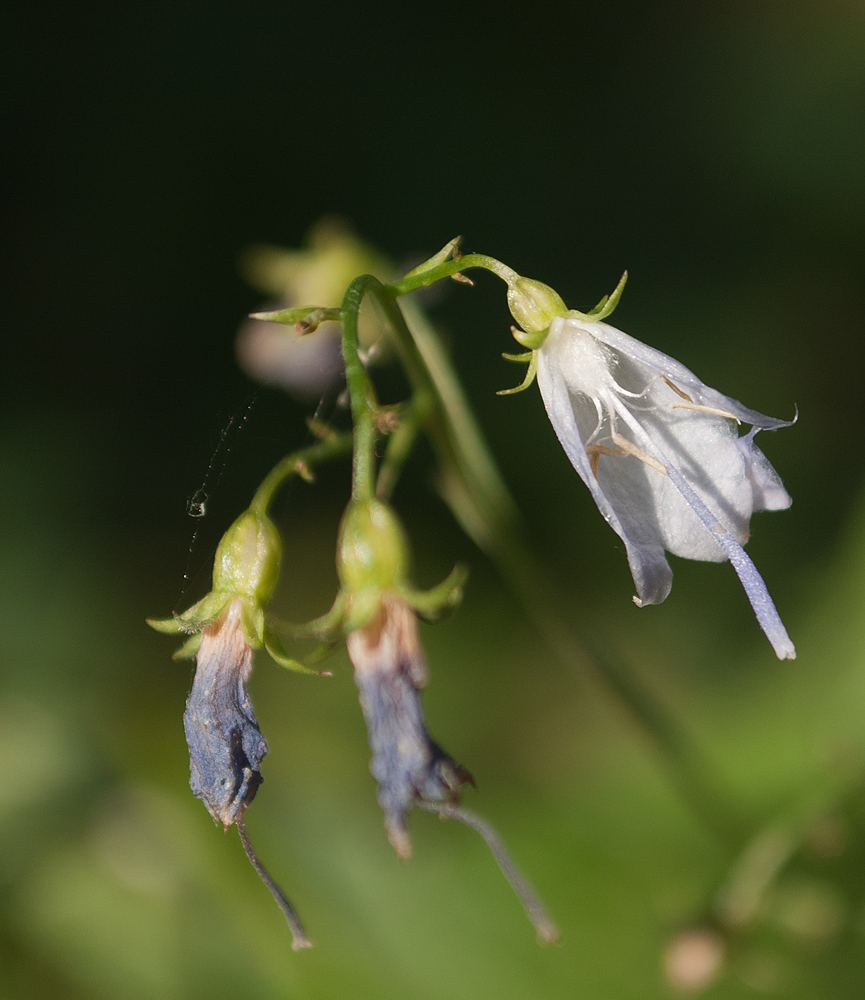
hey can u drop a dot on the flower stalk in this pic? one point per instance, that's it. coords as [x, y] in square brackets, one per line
[658, 449]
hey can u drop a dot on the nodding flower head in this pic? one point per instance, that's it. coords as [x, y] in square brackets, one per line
[225, 744]
[378, 617]
[658, 449]
[661, 454]
[410, 768]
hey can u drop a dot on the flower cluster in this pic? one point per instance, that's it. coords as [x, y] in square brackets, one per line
[659, 450]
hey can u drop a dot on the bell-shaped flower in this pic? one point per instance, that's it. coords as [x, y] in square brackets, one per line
[225, 744]
[409, 767]
[376, 612]
[659, 450]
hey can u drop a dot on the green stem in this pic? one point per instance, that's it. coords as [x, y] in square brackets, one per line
[360, 391]
[400, 444]
[298, 462]
[411, 282]
[463, 455]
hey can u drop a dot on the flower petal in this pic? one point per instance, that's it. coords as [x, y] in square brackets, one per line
[225, 744]
[769, 492]
[652, 575]
[661, 364]
[749, 576]
[409, 767]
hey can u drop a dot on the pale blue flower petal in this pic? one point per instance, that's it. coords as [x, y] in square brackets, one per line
[661, 454]
[652, 575]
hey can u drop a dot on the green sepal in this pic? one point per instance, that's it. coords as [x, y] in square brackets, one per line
[436, 259]
[609, 302]
[307, 316]
[526, 339]
[321, 653]
[326, 627]
[167, 626]
[276, 651]
[528, 380]
[199, 616]
[252, 623]
[432, 605]
[522, 359]
[360, 608]
[189, 650]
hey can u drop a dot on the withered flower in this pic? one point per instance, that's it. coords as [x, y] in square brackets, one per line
[410, 767]
[376, 612]
[225, 744]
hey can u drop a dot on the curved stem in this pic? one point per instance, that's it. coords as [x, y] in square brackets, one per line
[411, 282]
[466, 465]
[360, 391]
[298, 463]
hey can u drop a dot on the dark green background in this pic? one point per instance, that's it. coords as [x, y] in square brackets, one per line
[717, 152]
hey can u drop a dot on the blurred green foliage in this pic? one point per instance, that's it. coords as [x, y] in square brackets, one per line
[717, 152]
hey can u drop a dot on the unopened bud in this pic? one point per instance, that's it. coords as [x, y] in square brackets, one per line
[247, 560]
[372, 552]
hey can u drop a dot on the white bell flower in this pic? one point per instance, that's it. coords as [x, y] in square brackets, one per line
[661, 454]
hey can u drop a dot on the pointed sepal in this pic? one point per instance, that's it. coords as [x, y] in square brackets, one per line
[252, 623]
[276, 651]
[199, 616]
[609, 302]
[530, 374]
[439, 258]
[432, 605]
[189, 650]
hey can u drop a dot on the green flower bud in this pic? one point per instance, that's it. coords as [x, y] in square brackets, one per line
[372, 551]
[247, 560]
[534, 306]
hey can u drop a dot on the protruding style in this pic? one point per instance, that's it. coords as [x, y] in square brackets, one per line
[410, 768]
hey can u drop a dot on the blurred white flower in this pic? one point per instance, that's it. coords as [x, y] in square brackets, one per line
[662, 456]
[307, 366]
